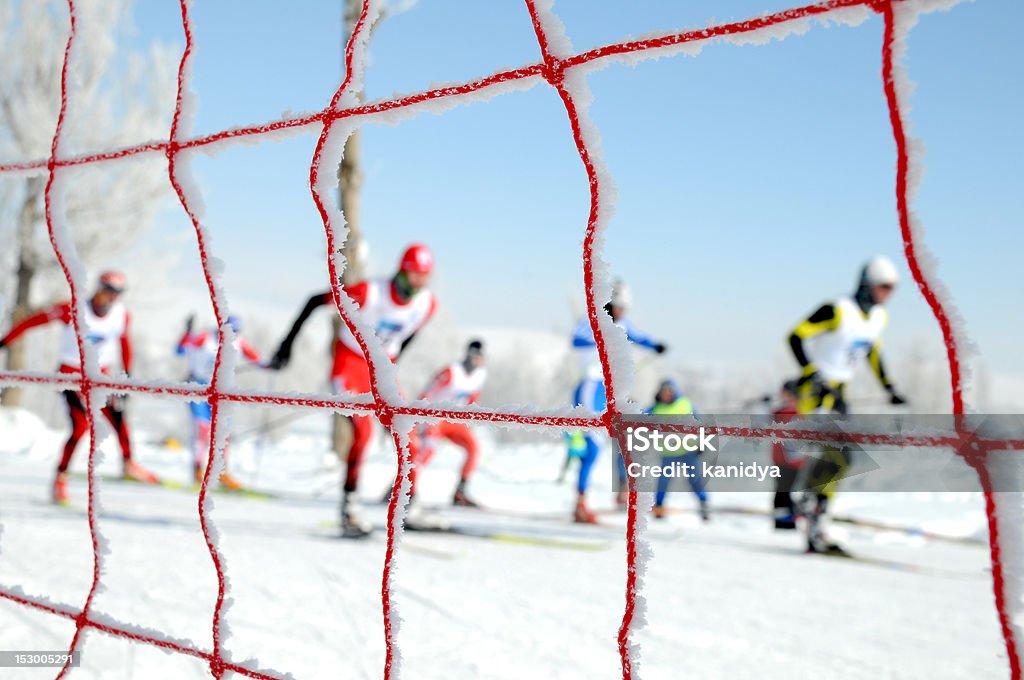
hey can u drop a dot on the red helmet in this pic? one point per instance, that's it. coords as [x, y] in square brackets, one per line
[417, 258]
[113, 281]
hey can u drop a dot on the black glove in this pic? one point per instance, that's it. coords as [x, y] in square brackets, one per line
[660, 348]
[2, 343]
[895, 398]
[281, 358]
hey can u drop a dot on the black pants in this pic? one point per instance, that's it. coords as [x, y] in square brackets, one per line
[828, 469]
[80, 426]
[784, 486]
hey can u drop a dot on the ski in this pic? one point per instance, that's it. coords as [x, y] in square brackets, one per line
[496, 535]
[894, 565]
[165, 483]
[515, 538]
[852, 521]
[245, 492]
[68, 506]
[333, 534]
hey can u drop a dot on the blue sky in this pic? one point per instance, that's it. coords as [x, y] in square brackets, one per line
[752, 180]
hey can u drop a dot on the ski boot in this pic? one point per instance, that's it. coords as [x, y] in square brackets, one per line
[460, 498]
[135, 472]
[821, 545]
[230, 483]
[659, 512]
[60, 489]
[353, 524]
[785, 520]
[622, 499]
[583, 514]
[817, 538]
[705, 512]
[417, 518]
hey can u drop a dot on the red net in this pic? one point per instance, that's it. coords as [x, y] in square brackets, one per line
[395, 414]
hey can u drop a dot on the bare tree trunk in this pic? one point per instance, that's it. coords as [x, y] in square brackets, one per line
[341, 436]
[29, 218]
[350, 176]
[350, 180]
[350, 184]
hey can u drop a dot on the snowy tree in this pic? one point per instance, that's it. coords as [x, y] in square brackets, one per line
[119, 96]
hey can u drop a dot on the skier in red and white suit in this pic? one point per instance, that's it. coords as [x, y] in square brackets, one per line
[201, 351]
[104, 326]
[458, 383]
[396, 309]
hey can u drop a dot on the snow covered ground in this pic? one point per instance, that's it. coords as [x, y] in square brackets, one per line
[729, 599]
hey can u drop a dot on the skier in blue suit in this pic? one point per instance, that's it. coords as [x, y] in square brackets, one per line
[590, 391]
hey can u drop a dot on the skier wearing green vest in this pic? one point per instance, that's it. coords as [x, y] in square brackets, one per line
[669, 400]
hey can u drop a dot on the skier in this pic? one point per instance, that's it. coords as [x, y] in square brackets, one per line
[788, 458]
[201, 351]
[827, 346]
[590, 391]
[458, 383]
[396, 309]
[104, 326]
[669, 400]
[576, 449]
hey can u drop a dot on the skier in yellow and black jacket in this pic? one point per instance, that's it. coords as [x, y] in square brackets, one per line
[828, 345]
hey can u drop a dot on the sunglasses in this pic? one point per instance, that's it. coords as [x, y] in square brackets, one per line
[886, 286]
[112, 289]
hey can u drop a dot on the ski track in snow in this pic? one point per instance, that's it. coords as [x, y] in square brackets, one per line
[727, 599]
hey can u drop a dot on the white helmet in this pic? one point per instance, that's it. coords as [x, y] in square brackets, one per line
[879, 271]
[622, 296]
